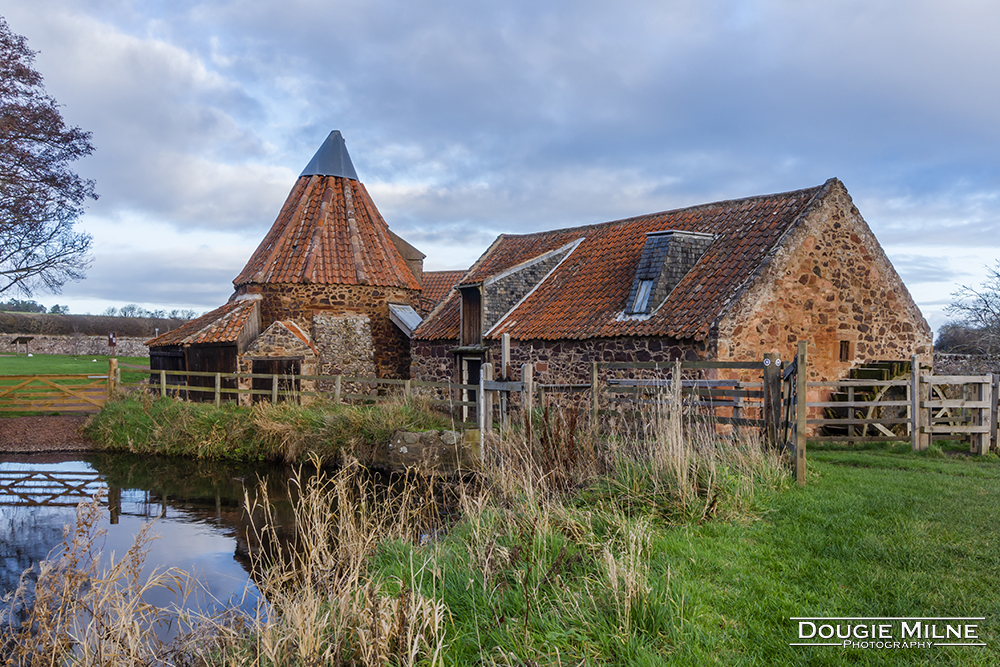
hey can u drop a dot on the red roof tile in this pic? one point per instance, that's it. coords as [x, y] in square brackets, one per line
[330, 232]
[222, 325]
[586, 294]
[436, 286]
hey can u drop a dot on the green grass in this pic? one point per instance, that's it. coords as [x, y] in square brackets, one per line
[874, 533]
[139, 423]
[62, 364]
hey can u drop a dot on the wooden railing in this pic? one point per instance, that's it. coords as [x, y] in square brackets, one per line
[289, 387]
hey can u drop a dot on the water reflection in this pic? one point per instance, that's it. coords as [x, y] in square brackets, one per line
[199, 508]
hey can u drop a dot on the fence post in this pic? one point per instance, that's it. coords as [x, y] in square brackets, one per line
[406, 388]
[163, 383]
[772, 397]
[336, 388]
[218, 389]
[595, 394]
[485, 407]
[112, 375]
[994, 392]
[528, 393]
[984, 391]
[274, 389]
[919, 439]
[801, 377]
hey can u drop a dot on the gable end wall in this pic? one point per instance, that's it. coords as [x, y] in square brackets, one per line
[500, 296]
[830, 281]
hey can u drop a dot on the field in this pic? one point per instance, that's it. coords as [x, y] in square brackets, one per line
[62, 364]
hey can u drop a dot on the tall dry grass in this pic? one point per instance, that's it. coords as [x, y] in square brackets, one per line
[557, 532]
[84, 611]
[323, 605]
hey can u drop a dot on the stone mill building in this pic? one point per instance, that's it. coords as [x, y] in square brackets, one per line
[330, 289]
[727, 281]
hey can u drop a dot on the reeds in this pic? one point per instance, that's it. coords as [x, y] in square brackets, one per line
[85, 611]
[321, 603]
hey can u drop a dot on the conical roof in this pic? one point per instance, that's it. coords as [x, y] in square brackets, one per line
[331, 159]
[329, 231]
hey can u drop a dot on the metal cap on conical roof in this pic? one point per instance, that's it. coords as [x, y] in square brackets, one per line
[331, 159]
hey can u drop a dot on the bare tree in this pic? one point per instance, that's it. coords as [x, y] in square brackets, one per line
[977, 309]
[41, 198]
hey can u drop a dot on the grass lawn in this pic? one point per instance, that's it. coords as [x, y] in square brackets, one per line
[874, 533]
[61, 364]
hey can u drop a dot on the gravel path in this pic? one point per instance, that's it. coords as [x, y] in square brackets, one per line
[43, 434]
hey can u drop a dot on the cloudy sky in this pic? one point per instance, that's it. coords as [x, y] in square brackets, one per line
[468, 119]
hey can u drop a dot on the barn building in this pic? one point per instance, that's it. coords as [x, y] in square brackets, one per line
[728, 281]
[331, 289]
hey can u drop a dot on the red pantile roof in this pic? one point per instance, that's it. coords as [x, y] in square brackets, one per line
[330, 232]
[585, 296]
[436, 286]
[222, 325]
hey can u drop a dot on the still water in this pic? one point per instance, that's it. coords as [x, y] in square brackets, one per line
[198, 509]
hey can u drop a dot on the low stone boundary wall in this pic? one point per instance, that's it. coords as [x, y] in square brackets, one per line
[82, 345]
[965, 364]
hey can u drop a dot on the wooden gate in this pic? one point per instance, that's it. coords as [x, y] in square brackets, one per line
[958, 406]
[54, 393]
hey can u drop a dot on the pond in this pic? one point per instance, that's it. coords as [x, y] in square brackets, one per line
[198, 508]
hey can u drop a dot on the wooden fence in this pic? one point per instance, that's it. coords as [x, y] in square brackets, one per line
[918, 407]
[290, 387]
[624, 388]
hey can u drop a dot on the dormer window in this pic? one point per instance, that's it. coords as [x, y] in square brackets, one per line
[666, 258]
[641, 303]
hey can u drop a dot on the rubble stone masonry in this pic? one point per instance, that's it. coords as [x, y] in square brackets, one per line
[300, 301]
[830, 284]
[126, 347]
[555, 361]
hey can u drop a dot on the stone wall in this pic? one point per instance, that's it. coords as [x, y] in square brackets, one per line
[76, 345]
[430, 451]
[278, 341]
[556, 362]
[965, 364]
[299, 303]
[345, 344]
[829, 283]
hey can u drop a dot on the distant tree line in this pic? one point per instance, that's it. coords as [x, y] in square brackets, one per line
[128, 310]
[46, 324]
[133, 310]
[29, 306]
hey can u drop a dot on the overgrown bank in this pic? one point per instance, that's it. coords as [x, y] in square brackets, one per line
[141, 424]
[678, 547]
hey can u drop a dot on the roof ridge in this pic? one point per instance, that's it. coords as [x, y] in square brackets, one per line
[644, 216]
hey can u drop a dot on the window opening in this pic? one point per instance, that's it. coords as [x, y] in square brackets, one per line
[642, 294]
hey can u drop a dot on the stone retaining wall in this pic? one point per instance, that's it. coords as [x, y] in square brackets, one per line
[78, 345]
